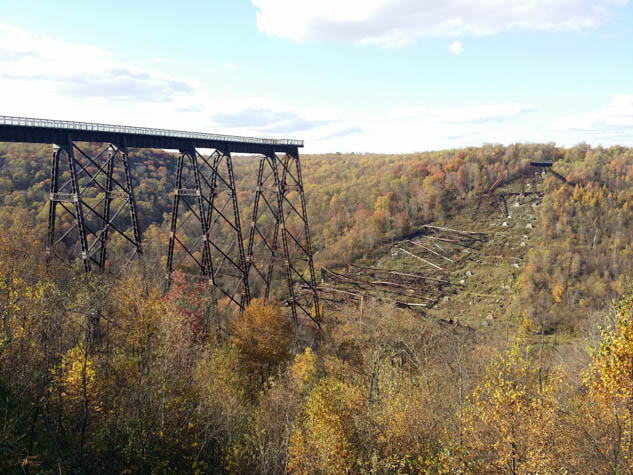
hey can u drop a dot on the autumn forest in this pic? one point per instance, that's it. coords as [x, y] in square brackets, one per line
[466, 327]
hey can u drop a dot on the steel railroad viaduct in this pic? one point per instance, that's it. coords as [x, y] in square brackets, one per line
[92, 188]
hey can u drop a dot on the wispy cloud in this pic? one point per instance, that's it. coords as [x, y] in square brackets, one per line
[613, 123]
[462, 115]
[230, 66]
[456, 48]
[85, 71]
[400, 22]
[267, 120]
[345, 132]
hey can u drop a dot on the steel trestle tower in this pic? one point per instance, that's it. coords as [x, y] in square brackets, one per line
[93, 209]
[94, 191]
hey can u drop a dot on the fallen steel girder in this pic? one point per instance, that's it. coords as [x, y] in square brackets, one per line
[382, 284]
[98, 189]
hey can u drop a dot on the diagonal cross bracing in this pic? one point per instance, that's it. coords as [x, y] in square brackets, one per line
[206, 235]
[279, 239]
[93, 215]
[95, 184]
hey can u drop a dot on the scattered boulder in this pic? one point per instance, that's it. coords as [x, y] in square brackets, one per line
[469, 273]
[529, 226]
[523, 244]
[517, 204]
[504, 224]
[462, 282]
[515, 265]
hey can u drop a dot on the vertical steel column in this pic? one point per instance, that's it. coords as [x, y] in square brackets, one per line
[79, 214]
[281, 222]
[52, 203]
[272, 161]
[106, 210]
[174, 219]
[246, 295]
[133, 215]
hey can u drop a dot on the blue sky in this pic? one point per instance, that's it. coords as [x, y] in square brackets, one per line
[345, 75]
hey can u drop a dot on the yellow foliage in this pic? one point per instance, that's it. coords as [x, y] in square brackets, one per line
[304, 369]
[323, 440]
[263, 334]
[610, 383]
[75, 376]
[557, 292]
[506, 422]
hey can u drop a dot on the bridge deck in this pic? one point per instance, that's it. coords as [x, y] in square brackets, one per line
[21, 129]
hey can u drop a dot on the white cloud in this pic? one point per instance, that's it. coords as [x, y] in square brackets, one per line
[415, 129]
[609, 125]
[48, 78]
[267, 120]
[80, 71]
[463, 115]
[44, 77]
[399, 22]
[456, 48]
[617, 113]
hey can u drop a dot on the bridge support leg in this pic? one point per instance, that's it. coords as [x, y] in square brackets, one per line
[92, 228]
[227, 257]
[205, 206]
[280, 199]
[191, 235]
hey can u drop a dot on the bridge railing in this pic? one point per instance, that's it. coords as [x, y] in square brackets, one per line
[123, 129]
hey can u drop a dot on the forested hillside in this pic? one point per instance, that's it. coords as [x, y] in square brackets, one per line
[523, 365]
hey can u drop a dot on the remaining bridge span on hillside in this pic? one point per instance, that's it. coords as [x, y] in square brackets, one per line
[92, 185]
